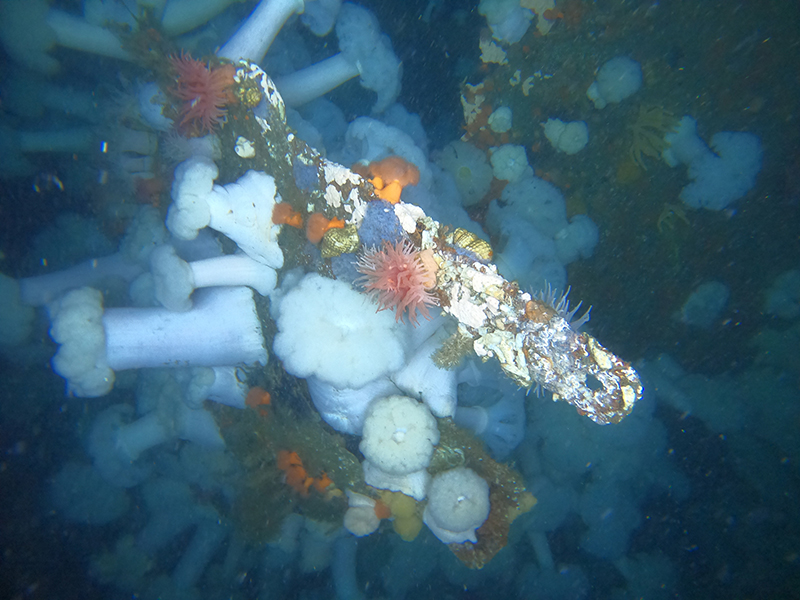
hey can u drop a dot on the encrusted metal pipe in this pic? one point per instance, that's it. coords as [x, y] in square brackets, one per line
[533, 342]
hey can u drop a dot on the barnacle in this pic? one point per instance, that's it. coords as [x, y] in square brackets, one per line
[338, 241]
[450, 354]
[469, 241]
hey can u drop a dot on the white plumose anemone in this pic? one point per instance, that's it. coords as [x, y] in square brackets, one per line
[458, 503]
[360, 518]
[617, 79]
[331, 335]
[567, 137]
[350, 354]
[470, 170]
[399, 438]
[421, 378]
[242, 210]
[344, 408]
[328, 330]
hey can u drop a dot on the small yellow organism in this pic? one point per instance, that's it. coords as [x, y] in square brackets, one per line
[670, 215]
[406, 517]
[652, 123]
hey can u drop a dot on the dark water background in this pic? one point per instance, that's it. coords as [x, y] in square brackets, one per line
[732, 66]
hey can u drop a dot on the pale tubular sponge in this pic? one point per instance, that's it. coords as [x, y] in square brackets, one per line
[398, 442]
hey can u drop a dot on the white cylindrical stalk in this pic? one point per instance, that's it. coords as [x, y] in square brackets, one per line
[222, 329]
[541, 547]
[73, 32]
[257, 33]
[474, 418]
[74, 139]
[312, 82]
[229, 387]
[41, 289]
[140, 435]
[233, 269]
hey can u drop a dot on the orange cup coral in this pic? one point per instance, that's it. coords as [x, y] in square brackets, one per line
[283, 213]
[318, 224]
[296, 477]
[259, 399]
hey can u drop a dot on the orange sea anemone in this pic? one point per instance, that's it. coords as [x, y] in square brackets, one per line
[322, 482]
[294, 474]
[297, 479]
[205, 93]
[258, 396]
[552, 14]
[288, 459]
[397, 278]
